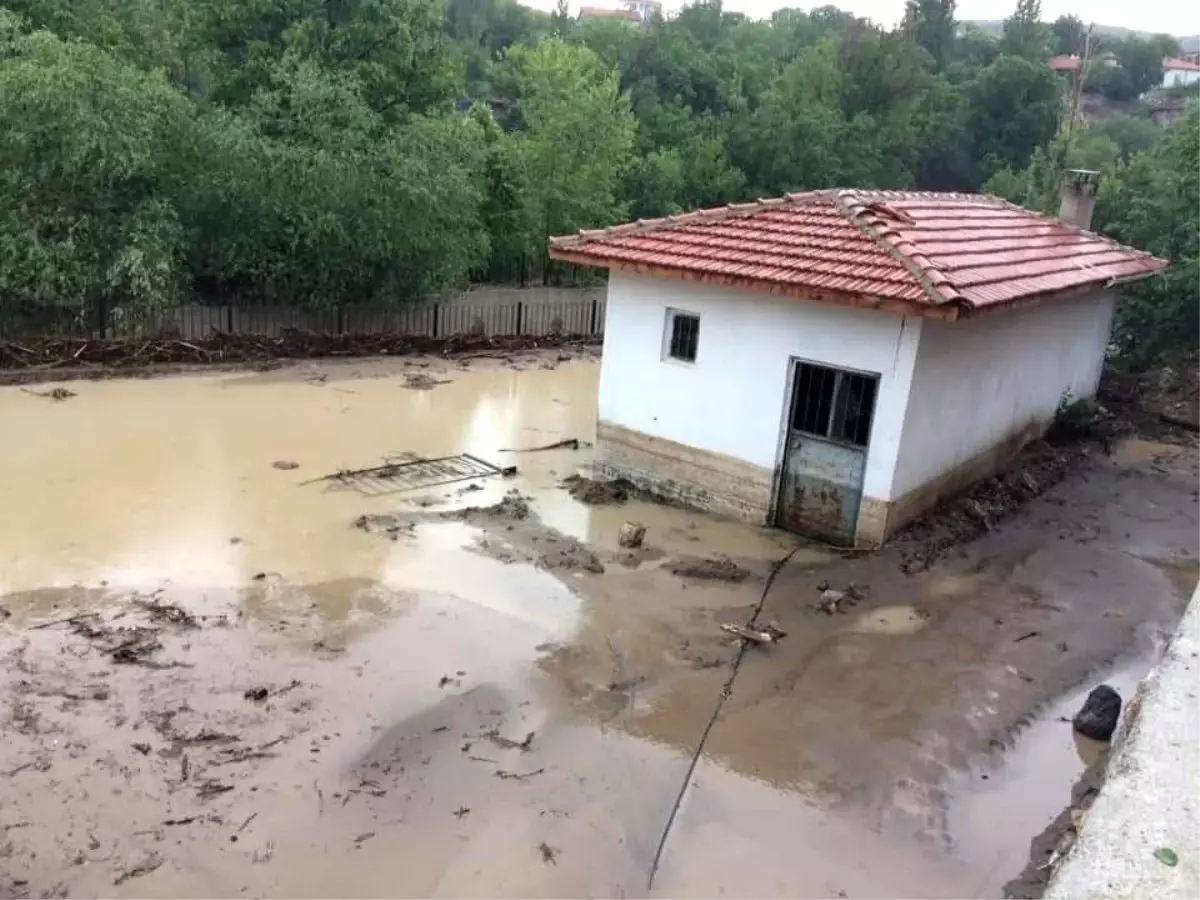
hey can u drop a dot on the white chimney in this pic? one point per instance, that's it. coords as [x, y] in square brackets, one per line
[1079, 197]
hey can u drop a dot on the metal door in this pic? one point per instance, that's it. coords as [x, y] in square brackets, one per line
[825, 452]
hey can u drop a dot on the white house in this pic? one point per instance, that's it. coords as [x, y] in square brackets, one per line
[834, 362]
[1179, 72]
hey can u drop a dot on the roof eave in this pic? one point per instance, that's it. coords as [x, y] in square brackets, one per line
[945, 312]
[971, 310]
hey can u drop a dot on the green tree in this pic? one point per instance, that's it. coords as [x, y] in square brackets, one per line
[1014, 107]
[930, 24]
[1068, 33]
[1025, 34]
[575, 139]
[1142, 62]
[88, 143]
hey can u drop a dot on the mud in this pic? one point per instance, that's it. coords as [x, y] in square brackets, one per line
[349, 714]
[709, 569]
[610, 492]
[55, 358]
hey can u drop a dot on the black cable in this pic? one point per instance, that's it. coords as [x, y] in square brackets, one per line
[725, 692]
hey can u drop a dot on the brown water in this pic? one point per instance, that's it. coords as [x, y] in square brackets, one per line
[847, 759]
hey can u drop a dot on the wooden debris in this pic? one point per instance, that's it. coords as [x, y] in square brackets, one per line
[569, 444]
[549, 854]
[517, 776]
[768, 635]
[145, 867]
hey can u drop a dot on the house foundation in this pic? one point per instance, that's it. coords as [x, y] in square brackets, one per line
[697, 478]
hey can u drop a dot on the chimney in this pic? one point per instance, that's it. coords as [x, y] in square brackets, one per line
[1078, 197]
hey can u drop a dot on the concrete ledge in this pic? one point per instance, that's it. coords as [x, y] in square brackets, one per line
[1151, 797]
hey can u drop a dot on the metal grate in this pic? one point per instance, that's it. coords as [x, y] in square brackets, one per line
[834, 404]
[413, 473]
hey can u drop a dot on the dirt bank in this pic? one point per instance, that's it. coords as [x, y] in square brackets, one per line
[51, 359]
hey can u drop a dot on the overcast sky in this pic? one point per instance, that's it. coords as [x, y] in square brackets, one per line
[1170, 16]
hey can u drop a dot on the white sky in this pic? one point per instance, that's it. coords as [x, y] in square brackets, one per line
[1179, 17]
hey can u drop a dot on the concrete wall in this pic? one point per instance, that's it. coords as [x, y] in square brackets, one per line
[983, 386]
[1151, 797]
[730, 402]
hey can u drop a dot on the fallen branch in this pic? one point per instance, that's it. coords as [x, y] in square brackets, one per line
[70, 620]
[569, 443]
[768, 635]
[517, 776]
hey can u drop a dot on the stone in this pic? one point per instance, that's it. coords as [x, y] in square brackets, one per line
[632, 534]
[1098, 717]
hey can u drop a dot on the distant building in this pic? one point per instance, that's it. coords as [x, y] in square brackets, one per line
[1064, 63]
[1180, 72]
[601, 12]
[835, 362]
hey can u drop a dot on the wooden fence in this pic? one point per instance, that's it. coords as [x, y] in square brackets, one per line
[486, 311]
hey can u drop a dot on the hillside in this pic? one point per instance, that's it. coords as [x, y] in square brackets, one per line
[1189, 43]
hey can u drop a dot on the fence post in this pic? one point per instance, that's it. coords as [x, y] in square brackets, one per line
[436, 306]
[520, 317]
[341, 323]
[595, 310]
[102, 314]
[229, 319]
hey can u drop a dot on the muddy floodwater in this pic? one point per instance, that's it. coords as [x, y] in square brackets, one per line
[224, 675]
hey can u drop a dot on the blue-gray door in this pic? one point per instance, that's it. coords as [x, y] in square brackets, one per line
[825, 452]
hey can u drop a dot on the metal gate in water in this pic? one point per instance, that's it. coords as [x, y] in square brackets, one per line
[825, 454]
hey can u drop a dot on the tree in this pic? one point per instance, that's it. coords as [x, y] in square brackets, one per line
[1014, 107]
[1025, 34]
[88, 142]
[1068, 32]
[575, 138]
[930, 23]
[1142, 61]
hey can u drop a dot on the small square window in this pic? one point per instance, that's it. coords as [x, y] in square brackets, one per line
[683, 335]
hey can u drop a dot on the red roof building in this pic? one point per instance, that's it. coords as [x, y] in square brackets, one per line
[1064, 63]
[835, 362]
[939, 254]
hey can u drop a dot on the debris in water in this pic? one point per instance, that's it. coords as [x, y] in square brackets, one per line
[365, 836]
[285, 464]
[256, 694]
[549, 854]
[830, 602]
[569, 444]
[518, 776]
[413, 472]
[1167, 856]
[249, 819]
[1098, 717]
[58, 393]
[185, 821]
[632, 534]
[211, 788]
[767, 635]
[419, 381]
[1026, 636]
[598, 493]
[722, 569]
[145, 867]
[142, 748]
[167, 612]
[461, 811]
[525, 745]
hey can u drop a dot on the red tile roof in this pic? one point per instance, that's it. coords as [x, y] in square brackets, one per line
[1180, 65]
[933, 253]
[1064, 63]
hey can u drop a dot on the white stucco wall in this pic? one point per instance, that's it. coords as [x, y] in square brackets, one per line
[979, 380]
[731, 400]
[1177, 77]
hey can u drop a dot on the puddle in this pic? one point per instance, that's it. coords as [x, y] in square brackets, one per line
[1001, 805]
[893, 620]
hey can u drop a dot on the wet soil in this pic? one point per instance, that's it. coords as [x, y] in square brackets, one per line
[311, 708]
[53, 355]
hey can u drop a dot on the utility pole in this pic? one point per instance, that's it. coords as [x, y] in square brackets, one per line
[1080, 79]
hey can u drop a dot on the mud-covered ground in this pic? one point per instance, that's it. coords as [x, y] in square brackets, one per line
[222, 678]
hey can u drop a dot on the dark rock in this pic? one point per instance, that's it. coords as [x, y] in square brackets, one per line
[1098, 717]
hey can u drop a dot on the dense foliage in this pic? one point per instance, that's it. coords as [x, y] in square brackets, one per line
[345, 151]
